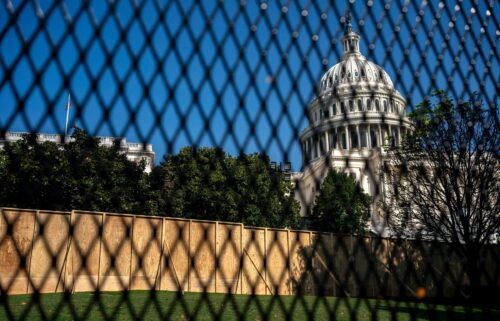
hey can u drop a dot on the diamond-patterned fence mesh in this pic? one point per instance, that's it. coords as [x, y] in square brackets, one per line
[397, 99]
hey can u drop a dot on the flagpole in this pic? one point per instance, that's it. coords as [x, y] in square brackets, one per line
[67, 115]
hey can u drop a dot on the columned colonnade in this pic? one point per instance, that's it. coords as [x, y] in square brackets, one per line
[347, 137]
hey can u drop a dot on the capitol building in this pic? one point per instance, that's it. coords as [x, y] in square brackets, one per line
[356, 115]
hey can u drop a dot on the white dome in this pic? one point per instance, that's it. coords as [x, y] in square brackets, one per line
[354, 69]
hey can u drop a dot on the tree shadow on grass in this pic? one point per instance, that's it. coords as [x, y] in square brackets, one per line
[427, 311]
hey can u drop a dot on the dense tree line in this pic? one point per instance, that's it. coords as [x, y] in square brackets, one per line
[80, 174]
[204, 183]
[208, 183]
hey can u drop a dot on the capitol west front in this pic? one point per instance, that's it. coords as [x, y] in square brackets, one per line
[355, 116]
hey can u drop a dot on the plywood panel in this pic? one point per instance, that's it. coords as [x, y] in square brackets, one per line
[254, 272]
[50, 251]
[229, 255]
[491, 269]
[300, 255]
[342, 264]
[146, 253]
[442, 260]
[361, 254]
[16, 236]
[388, 273]
[174, 266]
[322, 269]
[277, 269]
[114, 270]
[85, 250]
[202, 249]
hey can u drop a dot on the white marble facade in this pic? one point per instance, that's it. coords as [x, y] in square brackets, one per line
[355, 116]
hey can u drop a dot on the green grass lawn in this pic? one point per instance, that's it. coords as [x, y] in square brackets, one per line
[144, 305]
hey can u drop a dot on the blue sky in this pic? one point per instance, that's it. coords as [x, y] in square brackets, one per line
[156, 71]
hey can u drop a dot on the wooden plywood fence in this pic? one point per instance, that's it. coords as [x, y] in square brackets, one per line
[47, 251]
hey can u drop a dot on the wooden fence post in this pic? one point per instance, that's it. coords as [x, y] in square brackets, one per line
[265, 258]
[28, 266]
[332, 262]
[216, 253]
[242, 230]
[160, 261]
[189, 257]
[289, 262]
[101, 236]
[131, 237]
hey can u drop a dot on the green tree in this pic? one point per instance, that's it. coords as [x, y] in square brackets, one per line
[446, 177]
[34, 174]
[341, 205]
[102, 178]
[207, 183]
[81, 174]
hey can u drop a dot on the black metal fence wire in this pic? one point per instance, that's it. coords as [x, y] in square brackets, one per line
[239, 75]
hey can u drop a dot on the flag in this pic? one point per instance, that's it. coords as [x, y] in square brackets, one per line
[68, 104]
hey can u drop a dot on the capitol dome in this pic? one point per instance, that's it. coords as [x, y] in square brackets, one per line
[354, 69]
[357, 107]
[356, 115]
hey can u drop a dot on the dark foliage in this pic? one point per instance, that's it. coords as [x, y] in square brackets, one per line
[341, 205]
[206, 183]
[445, 177]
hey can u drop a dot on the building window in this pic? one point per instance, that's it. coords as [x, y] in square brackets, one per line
[321, 114]
[343, 141]
[333, 140]
[392, 106]
[362, 138]
[377, 105]
[354, 139]
[351, 106]
[342, 107]
[363, 74]
[385, 105]
[325, 112]
[360, 105]
[373, 135]
[369, 104]
[334, 109]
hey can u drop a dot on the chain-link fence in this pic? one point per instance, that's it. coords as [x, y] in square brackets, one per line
[317, 86]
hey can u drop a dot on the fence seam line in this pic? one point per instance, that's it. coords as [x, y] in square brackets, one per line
[28, 268]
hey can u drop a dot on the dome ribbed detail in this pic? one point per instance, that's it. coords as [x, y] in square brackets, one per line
[354, 69]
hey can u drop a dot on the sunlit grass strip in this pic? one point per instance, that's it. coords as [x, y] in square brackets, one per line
[145, 305]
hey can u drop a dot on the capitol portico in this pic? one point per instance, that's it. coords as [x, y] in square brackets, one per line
[356, 115]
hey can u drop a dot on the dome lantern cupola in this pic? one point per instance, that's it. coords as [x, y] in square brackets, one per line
[350, 40]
